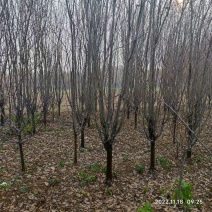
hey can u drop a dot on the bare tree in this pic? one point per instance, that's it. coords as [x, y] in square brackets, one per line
[107, 66]
[18, 19]
[198, 69]
[173, 81]
[109, 114]
[43, 54]
[58, 86]
[154, 118]
[80, 73]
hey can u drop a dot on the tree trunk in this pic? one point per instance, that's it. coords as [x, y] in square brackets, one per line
[2, 115]
[189, 145]
[52, 112]
[175, 126]
[177, 152]
[89, 121]
[108, 146]
[10, 107]
[82, 138]
[2, 108]
[189, 153]
[21, 153]
[75, 147]
[44, 118]
[136, 117]
[128, 112]
[152, 139]
[33, 123]
[152, 156]
[59, 108]
[96, 104]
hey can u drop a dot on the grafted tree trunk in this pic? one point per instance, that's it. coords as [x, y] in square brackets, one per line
[189, 144]
[174, 134]
[108, 146]
[83, 132]
[75, 147]
[33, 123]
[96, 104]
[152, 155]
[19, 119]
[59, 108]
[128, 111]
[2, 108]
[189, 153]
[136, 117]
[2, 114]
[53, 113]
[174, 127]
[152, 138]
[21, 153]
[82, 137]
[177, 152]
[44, 118]
[45, 115]
[89, 121]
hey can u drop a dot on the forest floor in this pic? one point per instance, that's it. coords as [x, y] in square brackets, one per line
[53, 183]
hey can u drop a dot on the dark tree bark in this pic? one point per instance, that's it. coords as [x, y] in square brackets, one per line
[33, 123]
[45, 115]
[152, 145]
[188, 153]
[82, 126]
[44, 119]
[21, 153]
[2, 108]
[19, 116]
[75, 147]
[152, 156]
[2, 114]
[128, 111]
[136, 117]
[174, 127]
[109, 148]
[59, 108]
[89, 121]
[191, 140]
[82, 138]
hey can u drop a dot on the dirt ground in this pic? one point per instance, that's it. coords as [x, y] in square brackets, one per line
[53, 183]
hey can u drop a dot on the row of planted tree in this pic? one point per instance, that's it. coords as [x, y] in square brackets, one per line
[107, 58]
